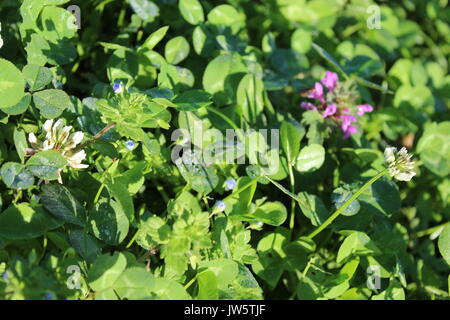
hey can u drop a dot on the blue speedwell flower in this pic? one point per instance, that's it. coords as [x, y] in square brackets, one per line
[219, 206]
[117, 87]
[230, 184]
[130, 145]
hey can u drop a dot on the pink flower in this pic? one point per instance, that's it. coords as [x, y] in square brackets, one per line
[308, 106]
[316, 93]
[349, 131]
[363, 108]
[330, 110]
[347, 120]
[330, 80]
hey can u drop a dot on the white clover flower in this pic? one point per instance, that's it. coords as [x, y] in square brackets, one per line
[399, 163]
[1, 40]
[58, 137]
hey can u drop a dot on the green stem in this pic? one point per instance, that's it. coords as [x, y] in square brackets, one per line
[292, 180]
[190, 283]
[227, 120]
[161, 191]
[18, 196]
[283, 189]
[345, 205]
[132, 240]
[244, 187]
[97, 136]
[432, 229]
[99, 192]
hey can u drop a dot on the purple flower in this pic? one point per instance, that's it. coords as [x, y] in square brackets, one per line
[330, 80]
[117, 87]
[230, 184]
[48, 296]
[364, 108]
[349, 131]
[316, 93]
[347, 120]
[308, 106]
[5, 277]
[329, 111]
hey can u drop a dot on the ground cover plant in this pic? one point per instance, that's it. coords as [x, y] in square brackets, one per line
[235, 149]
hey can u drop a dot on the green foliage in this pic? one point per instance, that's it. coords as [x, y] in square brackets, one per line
[139, 217]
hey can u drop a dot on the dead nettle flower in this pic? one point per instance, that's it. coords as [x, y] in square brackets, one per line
[337, 102]
[58, 137]
[399, 163]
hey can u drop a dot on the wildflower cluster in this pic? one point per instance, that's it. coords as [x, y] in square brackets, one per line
[336, 102]
[58, 137]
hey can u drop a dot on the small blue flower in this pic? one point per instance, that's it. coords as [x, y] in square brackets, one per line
[117, 87]
[5, 277]
[230, 184]
[219, 206]
[48, 296]
[130, 145]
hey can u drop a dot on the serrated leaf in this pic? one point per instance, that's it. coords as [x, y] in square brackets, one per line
[20, 142]
[46, 164]
[16, 176]
[51, 102]
[62, 204]
[86, 246]
[120, 193]
[108, 222]
[21, 221]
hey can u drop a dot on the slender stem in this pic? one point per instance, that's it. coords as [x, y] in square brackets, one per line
[97, 136]
[190, 283]
[18, 196]
[227, 120]
[432, 229]
[162, 192]
[244, 187]
[132, 240]
[205, 200]
[292, 180]
[99, 192]
[345, 205]
[283, 189]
